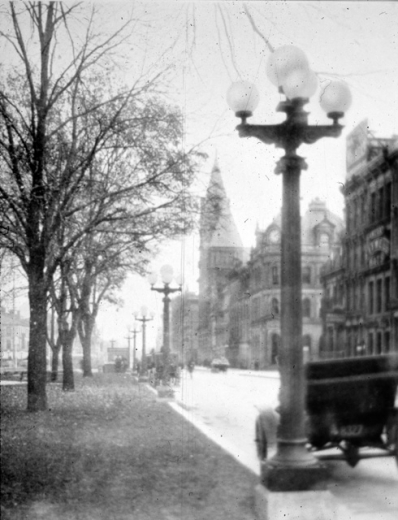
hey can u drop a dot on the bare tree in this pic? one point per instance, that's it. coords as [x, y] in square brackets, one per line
[63, 138]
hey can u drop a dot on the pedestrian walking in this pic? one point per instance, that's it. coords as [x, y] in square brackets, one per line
[172, 374]
[191, 366]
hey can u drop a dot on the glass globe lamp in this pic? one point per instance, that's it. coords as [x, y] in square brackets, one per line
[243, 98]
[335, 98]
[300, 83]
[166, 272]
[283, 61]
[152, 278]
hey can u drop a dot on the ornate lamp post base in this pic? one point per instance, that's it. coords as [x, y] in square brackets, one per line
[165, 392]
[319, 505]
[277, 477]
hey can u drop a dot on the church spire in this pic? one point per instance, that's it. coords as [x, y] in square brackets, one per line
[216, 186]
[220, 225]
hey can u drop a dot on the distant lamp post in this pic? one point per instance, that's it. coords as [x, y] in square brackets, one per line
[144, 320]
[134, 332]
[293, 468]
[166, 273]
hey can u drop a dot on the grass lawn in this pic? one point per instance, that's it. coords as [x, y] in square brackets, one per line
[110, 451]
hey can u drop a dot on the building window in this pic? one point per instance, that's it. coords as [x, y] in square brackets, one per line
[275, 348]
[349, 216]
[324, 240]
[387, 292]
[371, 298]
[363, 296]
[307, 308]
[373, 216]
[363, 257]
[387, 341]
[257, 276]
[354, 297]
[379, 340]
[306, 274]
[381, 209]
[363, 209]
[379, 299]
[354, 215]
[275, 306]
[354, 258]
[370, 343]
[256, 308]
[275, 275]
[387, 205]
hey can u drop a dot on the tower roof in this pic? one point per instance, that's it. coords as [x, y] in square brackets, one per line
[221, 228]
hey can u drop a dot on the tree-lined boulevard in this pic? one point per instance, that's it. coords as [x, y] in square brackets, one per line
[108, 114]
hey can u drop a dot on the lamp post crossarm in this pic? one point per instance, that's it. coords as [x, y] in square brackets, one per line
[289, 135]
[312, 133]
[267, 134]
[144, 319]
[166, 290]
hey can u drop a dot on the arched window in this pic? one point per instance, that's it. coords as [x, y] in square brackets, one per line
[306, 274]
[324, 240]
[306, 341]
[275, 343]
[307, 308]
[275, 306]
[275, 275]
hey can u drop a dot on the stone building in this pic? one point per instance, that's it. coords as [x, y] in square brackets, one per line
[239, 293]
[321, 235]
[14, 338]
[220, 250]
[360, 308]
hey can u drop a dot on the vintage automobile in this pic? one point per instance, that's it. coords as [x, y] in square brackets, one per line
[350, 404]
[220, 364]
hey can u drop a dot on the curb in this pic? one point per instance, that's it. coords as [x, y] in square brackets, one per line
[217, 439]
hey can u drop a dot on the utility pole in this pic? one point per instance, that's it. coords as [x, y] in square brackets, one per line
[128, 343]
[134, 333]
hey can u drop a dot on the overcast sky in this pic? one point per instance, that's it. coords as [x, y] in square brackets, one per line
[357, 41]
[216, 45]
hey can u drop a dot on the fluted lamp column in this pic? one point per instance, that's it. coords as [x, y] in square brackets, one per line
[293, 468]
[167, 275]
[144, 320]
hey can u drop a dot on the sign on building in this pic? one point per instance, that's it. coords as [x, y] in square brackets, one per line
[357, 149]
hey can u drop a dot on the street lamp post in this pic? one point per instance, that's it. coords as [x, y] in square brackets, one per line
[144, 320]
[293, 468]
[134, 333]
[166, 273]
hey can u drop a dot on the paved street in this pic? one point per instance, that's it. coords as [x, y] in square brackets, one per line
[225, 405]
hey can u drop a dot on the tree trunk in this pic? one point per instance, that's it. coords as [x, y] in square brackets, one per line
[68, 382]
[85, 333]
[55, 360]
[37, 397]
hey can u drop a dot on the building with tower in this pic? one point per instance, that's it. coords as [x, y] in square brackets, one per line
[239, 291]
[220, 251]
[260, 289]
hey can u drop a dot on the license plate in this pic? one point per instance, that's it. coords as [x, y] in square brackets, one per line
[351, 430]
